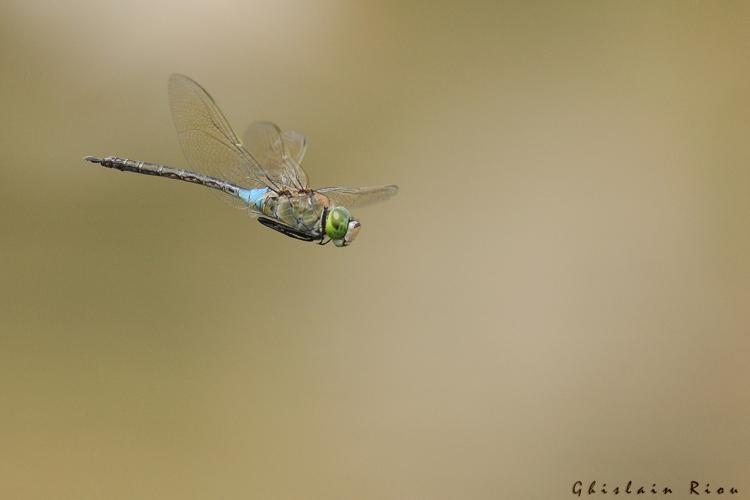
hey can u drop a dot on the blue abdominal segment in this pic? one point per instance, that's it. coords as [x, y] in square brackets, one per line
[253, 196]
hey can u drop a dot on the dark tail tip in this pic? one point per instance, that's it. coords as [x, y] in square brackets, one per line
[93, 159]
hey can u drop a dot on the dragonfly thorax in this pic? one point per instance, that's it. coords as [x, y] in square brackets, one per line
[302, 211]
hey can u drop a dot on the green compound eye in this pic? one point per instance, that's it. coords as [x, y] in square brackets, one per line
[337, 223]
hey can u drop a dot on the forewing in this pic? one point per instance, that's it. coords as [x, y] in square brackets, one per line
[358, 197]
[208, 141]
[277, 152]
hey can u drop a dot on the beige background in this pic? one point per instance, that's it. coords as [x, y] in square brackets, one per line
[559, 292]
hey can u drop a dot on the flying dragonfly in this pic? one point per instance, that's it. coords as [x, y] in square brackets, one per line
[261, 173]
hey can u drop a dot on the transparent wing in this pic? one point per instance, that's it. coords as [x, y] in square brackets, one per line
[295, 144]
[208, 141]
[277, 152]
[358, 197]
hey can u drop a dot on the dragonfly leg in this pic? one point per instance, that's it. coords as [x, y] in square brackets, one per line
[285, 230]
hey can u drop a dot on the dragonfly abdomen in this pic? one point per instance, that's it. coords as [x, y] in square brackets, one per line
[254, 197]
[142, 167]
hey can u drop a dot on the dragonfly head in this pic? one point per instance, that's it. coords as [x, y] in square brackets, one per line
[341, 227]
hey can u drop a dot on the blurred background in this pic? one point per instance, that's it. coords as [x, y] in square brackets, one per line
[559, 292]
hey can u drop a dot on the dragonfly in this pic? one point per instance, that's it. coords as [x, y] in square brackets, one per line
[261, 173]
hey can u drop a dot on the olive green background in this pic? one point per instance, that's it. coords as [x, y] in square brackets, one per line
[559, 292]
